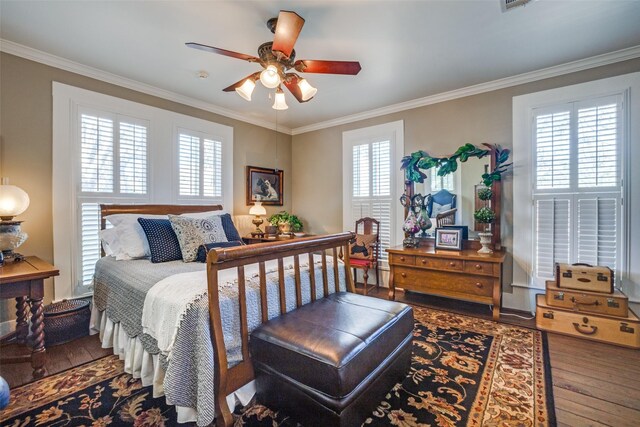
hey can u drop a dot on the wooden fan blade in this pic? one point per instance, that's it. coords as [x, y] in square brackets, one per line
[224, 52]
[287, 31]
[327, 67]
[237, 84]
[291, 82]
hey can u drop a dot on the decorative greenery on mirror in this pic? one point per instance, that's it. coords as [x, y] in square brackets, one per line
[415, 163]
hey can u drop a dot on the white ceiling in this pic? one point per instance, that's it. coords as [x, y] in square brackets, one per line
[407, 49]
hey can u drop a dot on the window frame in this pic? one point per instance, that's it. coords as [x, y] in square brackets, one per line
[67, 197]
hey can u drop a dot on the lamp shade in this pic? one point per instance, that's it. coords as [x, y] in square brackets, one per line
[270, 77]
[280, 103]
[258, 209]
[306, 89]
[13, 201]
[246, 89]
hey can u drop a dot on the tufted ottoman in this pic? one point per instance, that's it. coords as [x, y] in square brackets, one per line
[331, 362]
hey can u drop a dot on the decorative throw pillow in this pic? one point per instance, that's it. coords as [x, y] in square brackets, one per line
[438, 208]
[163, 242]
[203, 250]
[362, 245]
[230, 229]
[131, 240]
[193, 232]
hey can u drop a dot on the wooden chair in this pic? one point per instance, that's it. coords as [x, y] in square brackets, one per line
[367, 226]
[446, 217]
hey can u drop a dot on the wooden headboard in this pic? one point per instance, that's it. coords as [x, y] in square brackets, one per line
[106, 210]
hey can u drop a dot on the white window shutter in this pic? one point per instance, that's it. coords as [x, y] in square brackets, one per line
[133, 158]
[598, 146]
[361, 173]
[89, 241]
[552, 236]
[553, 150]
[189, 165]
[381, 168]
[597, 230]
[212, 168]
[96, 153]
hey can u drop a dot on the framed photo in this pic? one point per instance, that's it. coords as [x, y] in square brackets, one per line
[264, 185]
[464, 228]
[449, 239]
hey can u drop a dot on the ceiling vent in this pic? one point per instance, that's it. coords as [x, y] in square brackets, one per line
[507, 5]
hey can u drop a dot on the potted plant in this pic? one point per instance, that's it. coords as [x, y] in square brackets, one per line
[286, 222]
[485, 215]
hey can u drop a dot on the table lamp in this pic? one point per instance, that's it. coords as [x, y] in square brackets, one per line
[13, 201]
[257, 210]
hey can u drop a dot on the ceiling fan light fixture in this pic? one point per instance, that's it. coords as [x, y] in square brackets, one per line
[246, 89]
[279, 103]
[270, 77]
[307, 90]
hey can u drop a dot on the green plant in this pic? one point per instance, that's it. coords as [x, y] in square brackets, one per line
[485, 193]
[484, 215]
[284, 217]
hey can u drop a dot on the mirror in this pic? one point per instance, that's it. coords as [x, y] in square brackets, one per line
[463, 183]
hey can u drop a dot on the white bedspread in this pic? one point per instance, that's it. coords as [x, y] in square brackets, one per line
[167, 301]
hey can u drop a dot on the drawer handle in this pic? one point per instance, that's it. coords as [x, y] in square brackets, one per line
[401, 258]
[452, 264]
[424, 261]
[479, 285]
[403, 274]
[478, 267]
[579, 329]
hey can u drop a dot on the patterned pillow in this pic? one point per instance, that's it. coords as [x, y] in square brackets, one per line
[163, 242]
[438, 208]
[362, 246]
[203, 250]
[193, 232]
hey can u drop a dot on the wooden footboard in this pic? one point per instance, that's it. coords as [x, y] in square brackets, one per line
[227, 380]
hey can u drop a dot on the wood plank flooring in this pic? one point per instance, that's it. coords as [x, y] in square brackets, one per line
[594, 384]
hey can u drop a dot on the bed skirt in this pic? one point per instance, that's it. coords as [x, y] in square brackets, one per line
[146, 366]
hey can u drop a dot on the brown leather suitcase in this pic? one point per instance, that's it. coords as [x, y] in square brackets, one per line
[584, 277]
[615, 304]
[624, 331]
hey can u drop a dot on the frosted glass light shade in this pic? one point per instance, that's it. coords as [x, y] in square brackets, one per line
[13, 201]
[306, 89]
[246, 89]
[257, 209]
[280, 103]
[270, 77]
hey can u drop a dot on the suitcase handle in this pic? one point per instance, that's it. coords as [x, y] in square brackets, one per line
[577, 302]
[585, 332]
[582, 264]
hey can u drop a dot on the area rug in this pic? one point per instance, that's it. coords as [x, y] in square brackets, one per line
[465, 372]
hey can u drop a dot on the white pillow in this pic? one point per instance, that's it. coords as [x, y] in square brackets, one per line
[109, 240]
[131, 242]
[203, 215]
[438, 208]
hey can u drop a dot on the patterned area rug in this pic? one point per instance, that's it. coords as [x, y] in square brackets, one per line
[465, 372]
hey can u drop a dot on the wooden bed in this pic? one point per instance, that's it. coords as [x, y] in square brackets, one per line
[228, 379]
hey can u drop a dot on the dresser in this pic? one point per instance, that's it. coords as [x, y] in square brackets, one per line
[465, 275]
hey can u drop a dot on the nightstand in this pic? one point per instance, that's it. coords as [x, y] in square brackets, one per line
[24, 281]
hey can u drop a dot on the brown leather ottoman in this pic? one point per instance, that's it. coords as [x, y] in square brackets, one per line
[331, 362]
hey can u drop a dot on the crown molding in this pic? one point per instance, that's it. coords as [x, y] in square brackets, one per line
[545, 73]
[31, 54]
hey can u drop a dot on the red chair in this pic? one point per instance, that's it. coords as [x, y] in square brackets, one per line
[365, 250]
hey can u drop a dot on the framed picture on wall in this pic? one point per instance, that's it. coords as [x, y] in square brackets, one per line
[449, 239]
[264, 185]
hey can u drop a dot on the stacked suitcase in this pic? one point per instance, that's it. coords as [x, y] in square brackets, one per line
[583, 302]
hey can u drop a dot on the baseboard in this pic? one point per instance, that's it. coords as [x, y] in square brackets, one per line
[522, 298]
[7, 326]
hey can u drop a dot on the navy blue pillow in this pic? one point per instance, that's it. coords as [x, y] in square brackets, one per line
[229, 228]
[203, 250]
[163, 241]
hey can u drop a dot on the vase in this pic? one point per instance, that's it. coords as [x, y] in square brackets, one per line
[284, 228]
[424, 222]
[11, 236]
[410, 227]
[485, 241]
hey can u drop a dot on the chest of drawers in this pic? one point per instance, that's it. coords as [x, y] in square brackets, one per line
[465, 275]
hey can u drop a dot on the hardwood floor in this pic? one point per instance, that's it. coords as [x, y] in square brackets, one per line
[593, 384]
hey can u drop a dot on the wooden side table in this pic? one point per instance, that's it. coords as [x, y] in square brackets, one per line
[24, 281]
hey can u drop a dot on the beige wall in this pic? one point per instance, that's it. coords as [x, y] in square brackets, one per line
[438, 129]
[26, 139]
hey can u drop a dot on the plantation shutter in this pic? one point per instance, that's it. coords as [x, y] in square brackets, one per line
[113, 164]
[372, 187]
[200, 165]
[576, 195]
[189, 164]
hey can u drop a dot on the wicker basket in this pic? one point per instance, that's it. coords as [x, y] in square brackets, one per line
[65, 321]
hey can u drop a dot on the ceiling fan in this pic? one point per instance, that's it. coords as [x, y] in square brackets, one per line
[277, 58]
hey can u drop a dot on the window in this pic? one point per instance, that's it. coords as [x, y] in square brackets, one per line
[438, 183]
[371, 186]
[577, 198]
[118, 151]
